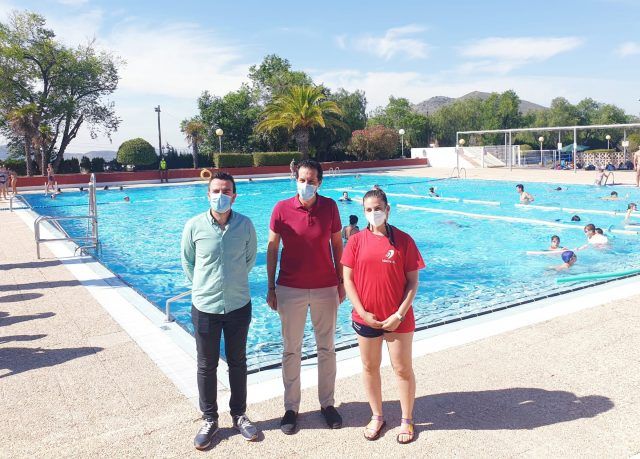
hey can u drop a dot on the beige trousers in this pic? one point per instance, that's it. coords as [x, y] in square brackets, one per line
[293, 304]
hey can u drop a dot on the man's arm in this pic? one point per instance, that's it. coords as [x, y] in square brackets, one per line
[273, 245]
[336, 249]
[188, 252]
[252, 247]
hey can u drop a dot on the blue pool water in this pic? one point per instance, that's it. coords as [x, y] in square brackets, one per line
[474, 264]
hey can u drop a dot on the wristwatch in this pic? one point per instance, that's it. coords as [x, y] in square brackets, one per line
[399, 317]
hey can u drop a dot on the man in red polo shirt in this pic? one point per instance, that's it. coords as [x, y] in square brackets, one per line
[310, 278]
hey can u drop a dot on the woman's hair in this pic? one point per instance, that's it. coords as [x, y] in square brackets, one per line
[353, 219]
[378, 193]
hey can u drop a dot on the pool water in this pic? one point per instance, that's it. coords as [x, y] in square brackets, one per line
[475, 251]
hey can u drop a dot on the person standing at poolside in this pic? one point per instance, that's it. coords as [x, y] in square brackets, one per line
[292, 168]
[4, 181]
[636, 166]
[218, 251]
[13, 180]
[310, 278]
[164, 173]
[51, 181]
[380, 267]
[525, 198]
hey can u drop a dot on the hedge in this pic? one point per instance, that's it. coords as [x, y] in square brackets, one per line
[138, 152]
[600, 150]
[233, 160]
[276, 158]
[525, 147]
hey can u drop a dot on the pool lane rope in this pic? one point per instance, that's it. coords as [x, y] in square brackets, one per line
[597, 276]
[504, 218]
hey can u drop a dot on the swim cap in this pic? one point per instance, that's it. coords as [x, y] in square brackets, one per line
[567, 256]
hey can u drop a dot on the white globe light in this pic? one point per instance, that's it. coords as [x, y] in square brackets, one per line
[219, 132]
[608, 137]
[540, 139]
[401, 132]
[461, 141]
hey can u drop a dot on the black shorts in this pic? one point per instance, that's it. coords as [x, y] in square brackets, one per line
[366, 331]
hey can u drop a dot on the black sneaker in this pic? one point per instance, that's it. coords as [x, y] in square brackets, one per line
[333, 418]
[243, 425]
[205, 434]
[289, 422]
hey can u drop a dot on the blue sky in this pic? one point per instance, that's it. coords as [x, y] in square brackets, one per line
[175, 50]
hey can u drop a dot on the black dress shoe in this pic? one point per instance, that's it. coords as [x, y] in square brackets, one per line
[289, 422]
[333, 418]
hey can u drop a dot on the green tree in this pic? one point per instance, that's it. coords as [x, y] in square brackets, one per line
[375, 142]
[194, 131]
[399, 114]
[273, 76]
[137, 152]
[66, 85]
[299, 110]
[24, 123]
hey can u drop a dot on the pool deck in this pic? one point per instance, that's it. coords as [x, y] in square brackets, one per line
[73, 383]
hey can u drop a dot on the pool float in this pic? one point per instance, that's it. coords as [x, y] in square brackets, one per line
[596, 276]
[205, 174]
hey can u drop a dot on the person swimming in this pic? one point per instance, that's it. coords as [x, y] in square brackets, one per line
[555, 243]
[432, 193]
[631, 208]
[525, 198]
[569, 258]
[345, 196]
[612, 197]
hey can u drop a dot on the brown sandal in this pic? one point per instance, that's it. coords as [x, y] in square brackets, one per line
[376, 433]
[408, 431]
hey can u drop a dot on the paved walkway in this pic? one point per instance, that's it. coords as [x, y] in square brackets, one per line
[73, 384]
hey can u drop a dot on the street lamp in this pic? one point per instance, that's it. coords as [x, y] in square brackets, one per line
[541, 139]
[461, 143]
[401, 132]
[219, 133]
[608, 137]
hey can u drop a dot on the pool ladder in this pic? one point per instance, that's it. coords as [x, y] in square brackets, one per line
[457, 171]
[167, 305]
[88, 242]
[334, 171]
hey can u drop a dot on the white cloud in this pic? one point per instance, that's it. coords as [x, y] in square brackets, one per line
[628, 48]
[395, 42]
[73, 2]
[501, 55]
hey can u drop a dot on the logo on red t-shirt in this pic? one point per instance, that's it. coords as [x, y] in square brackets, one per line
[388, 257]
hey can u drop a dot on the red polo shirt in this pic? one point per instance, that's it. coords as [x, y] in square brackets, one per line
[379, 273]
[306, 260]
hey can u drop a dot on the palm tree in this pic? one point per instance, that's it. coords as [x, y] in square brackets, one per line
[24, 122]
[299, 109]
[194, 131]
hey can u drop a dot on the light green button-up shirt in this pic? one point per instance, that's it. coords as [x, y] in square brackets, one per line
[217, 261]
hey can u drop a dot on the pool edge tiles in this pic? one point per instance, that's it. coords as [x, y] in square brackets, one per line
[179, 365]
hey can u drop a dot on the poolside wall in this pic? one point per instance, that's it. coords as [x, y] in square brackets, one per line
[181, 175]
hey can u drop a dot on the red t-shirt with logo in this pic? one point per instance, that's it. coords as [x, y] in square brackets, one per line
[379, 273]
[306, 260]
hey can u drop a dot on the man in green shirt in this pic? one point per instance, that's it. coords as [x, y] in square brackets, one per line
[164, 174]
[218, 251]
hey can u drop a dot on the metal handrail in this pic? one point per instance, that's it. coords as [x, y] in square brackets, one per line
[11, 198]
[613, 180]
[460, 171]
[173, 299]
[337, 170]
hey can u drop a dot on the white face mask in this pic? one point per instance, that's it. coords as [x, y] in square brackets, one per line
[220, 202]
[376, 218]
[306, 190]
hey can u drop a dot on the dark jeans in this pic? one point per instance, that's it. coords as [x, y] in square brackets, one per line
[208, 329]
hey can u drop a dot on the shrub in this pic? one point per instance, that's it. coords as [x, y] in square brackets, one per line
[85, 163]
[16, 165]
[97, 164]
[276, 158]
[233, 160]
[69, 166]
[113, 166]
[525, 147]
[376, 142]
[599, 150]
[138, 152]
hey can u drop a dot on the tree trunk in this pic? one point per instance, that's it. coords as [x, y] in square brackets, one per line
[302, 140]
[195, 155]
[27, 155]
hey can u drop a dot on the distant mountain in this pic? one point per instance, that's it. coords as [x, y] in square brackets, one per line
[108, 155]
[434, 104]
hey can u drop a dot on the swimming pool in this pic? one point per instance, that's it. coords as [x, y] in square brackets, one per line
[474, 242]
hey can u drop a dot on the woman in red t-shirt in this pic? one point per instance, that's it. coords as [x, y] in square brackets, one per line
[380, 273]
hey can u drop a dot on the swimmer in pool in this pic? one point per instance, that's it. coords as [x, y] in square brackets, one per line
[345, 197]
[595, 240]
[555, 243]
[432, 193]
[631, 208]
[525, 198]
[612, 197]
[127, 199]
[456, 224]
[569, 258]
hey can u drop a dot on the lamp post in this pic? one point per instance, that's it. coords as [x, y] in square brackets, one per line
[541, 139]
[461, 143]
[608, 137]
[401, 132]
[219, 133]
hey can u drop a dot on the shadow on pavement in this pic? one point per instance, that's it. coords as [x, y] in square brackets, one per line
[19, 297]
[20, 359]
[55, 284]
[6, 319]
[42, 264]
[8, 339]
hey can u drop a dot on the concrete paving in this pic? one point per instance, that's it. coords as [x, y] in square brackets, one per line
[74, 384]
